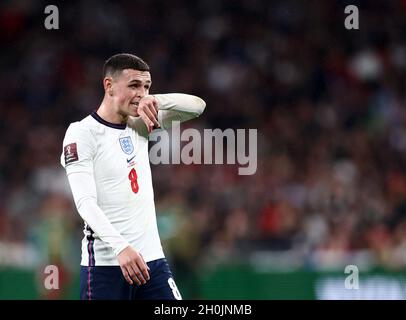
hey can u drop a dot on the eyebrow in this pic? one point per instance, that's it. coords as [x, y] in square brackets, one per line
[138, 81]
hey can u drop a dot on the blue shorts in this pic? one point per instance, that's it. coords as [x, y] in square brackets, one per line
[108, 283]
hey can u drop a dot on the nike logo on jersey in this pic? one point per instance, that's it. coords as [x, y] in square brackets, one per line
[129, 160]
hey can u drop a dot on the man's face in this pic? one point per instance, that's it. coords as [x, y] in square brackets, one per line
[128, 88]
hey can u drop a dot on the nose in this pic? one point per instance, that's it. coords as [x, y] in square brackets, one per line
[142, 92]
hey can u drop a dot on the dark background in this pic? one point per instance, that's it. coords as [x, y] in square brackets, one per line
[328, 104]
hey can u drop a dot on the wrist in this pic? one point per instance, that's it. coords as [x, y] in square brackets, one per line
[120, 249]
[156, 100]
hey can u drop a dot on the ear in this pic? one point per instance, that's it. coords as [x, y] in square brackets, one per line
[108, 85]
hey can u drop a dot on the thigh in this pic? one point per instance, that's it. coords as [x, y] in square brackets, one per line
[104, 283]
[161, 285]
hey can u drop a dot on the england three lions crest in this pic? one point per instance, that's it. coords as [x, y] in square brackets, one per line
[126, 145]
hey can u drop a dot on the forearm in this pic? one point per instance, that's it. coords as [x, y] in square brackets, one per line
[178, 107]
[84, 194]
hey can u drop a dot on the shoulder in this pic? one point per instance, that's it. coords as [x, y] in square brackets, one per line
[80, 130]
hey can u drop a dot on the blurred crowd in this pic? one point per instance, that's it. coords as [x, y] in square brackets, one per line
[329, 105]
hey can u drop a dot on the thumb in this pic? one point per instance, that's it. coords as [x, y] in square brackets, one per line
[144, 261]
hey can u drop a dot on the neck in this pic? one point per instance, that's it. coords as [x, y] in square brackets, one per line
[108, 112]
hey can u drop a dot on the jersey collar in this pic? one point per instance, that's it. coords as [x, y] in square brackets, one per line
[106, 123]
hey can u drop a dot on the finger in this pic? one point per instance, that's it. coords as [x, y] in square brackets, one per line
[151, 116]
[153, 109]
[126, 276]
[147, 122]
[145, 262]
[138, 274]
[155, 103]
[145, 272]
[150, 112]
[134, 275]
[143, 267]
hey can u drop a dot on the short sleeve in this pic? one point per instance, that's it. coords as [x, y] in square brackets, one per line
[78, 149]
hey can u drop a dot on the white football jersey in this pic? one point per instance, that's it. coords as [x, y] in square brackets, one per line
[110, 177]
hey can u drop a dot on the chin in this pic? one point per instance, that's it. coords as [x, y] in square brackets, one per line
[133, 113]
